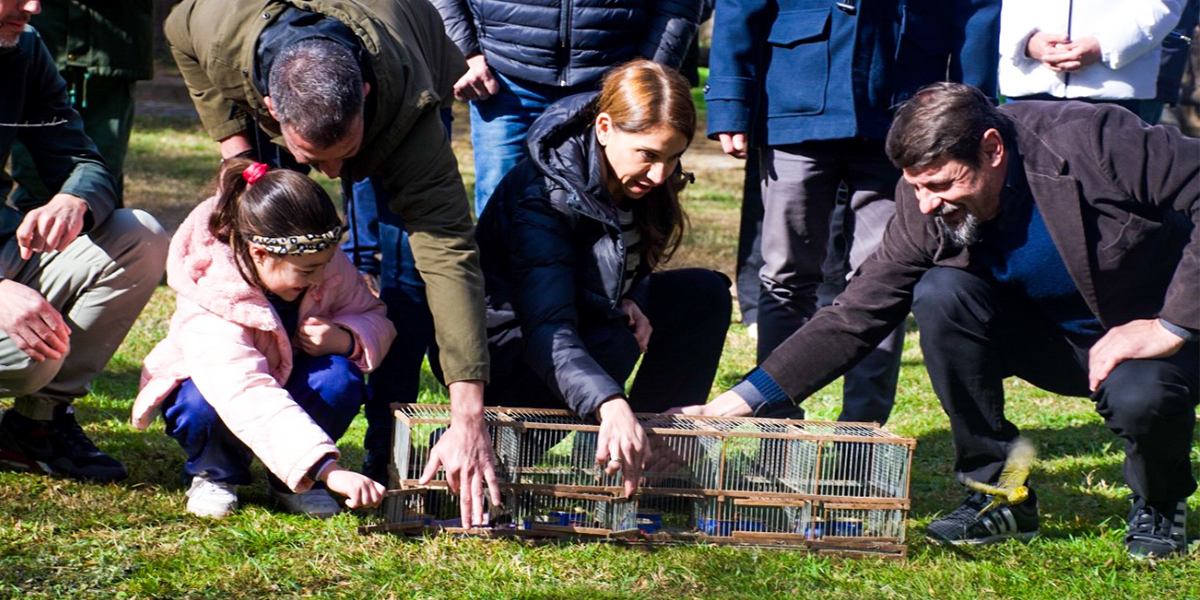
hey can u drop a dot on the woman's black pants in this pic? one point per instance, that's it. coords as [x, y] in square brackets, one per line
[689, 311]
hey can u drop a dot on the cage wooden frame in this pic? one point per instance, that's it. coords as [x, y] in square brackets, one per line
[830, 488]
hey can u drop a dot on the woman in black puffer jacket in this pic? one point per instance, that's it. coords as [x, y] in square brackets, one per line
[571, 243]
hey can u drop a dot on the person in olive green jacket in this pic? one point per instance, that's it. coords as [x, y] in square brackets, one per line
[102, 49]
[397, 51]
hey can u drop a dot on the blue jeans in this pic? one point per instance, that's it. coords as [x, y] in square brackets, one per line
[329, 388]
[364, 202]
[499, 125]
[398, 377]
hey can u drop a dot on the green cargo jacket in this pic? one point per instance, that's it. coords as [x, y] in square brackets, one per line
[104, 38]
[404, 147]
[35, 110]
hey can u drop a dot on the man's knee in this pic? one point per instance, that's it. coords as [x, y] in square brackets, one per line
[27, 377]
[948, 295]
[1138, 394]
[137, 242]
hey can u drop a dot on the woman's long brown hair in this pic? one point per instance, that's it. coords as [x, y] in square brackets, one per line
[640, 96]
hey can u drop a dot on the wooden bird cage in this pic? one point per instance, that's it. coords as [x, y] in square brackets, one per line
[832, 488]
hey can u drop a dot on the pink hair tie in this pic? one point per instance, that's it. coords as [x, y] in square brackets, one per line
[255, 172]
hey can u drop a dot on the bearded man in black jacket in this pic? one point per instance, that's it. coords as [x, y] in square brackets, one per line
[1056, 242]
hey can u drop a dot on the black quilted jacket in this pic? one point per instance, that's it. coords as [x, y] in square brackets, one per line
[570, 42]
[553, 255]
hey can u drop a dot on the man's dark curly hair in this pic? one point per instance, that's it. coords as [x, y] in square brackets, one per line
[943, 121]
[317, 90]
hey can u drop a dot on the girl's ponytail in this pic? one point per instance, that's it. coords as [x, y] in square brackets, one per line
[230, 186]
[225, 222]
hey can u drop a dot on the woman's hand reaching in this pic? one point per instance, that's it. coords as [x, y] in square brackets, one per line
[622, 443]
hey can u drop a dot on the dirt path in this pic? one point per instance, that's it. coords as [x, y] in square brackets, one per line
[164, 96]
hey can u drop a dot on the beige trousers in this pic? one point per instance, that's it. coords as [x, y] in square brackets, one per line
[100, 284]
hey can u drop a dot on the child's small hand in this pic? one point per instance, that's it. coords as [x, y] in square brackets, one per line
[359, 490]
[318, 337]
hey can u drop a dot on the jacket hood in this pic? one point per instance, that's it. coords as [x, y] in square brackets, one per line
[563, 147]
[201, 268]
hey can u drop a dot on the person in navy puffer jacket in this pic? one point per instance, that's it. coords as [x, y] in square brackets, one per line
[524, 55]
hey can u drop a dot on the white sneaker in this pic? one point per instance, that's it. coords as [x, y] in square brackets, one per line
[316, 503]
[752, 331]
[207, 498]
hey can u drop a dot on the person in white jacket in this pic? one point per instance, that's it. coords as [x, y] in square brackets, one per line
[1094, 50]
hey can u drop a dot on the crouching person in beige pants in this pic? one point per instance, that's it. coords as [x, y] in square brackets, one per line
[74, 272]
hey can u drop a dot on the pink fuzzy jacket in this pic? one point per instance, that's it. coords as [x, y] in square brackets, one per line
[225, 336]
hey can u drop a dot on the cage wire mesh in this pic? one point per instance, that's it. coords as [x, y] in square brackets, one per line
[736, 480]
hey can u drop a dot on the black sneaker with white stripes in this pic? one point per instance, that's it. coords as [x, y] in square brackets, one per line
[965, 526]
[1156, 530]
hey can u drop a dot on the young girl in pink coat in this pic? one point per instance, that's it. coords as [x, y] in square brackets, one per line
[272, 332]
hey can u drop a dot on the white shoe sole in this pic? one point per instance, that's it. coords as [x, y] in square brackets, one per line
[211, 512]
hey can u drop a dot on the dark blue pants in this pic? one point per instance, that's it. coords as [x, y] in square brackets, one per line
[378, 245]
[974, 335]
[329, 388]
[398, 377]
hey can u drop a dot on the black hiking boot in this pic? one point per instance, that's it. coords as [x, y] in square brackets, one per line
[56, 447]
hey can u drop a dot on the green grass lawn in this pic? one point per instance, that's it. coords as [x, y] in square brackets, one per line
[134, 540]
